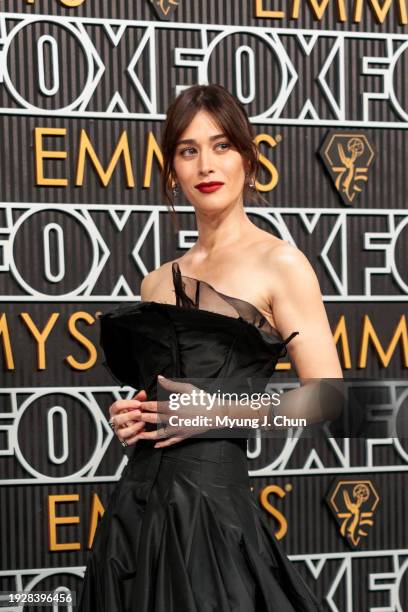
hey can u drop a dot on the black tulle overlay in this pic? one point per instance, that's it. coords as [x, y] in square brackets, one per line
[182, 531]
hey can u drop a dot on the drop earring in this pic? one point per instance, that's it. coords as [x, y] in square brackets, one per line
[175, 191]
[251, 183]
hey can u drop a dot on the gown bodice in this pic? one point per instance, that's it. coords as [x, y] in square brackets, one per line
[182, 530]
[204, 335]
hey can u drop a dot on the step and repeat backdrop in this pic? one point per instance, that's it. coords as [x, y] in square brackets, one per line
[84, 87]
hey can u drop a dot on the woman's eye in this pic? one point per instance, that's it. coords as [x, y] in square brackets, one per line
[191, 150]
[223, 144]
[186, 150]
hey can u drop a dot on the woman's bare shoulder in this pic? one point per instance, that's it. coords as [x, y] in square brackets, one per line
[286, 263]
[158, 277]
[287, 256]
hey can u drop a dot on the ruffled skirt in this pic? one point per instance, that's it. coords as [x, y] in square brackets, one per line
[183, 533]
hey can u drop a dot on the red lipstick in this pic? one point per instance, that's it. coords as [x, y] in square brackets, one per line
[209, 187]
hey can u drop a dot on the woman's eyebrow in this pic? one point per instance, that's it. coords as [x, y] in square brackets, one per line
[192, 141]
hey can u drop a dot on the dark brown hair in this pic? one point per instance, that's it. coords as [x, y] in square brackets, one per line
[229, 113]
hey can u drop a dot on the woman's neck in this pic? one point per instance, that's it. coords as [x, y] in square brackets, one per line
[221, 231]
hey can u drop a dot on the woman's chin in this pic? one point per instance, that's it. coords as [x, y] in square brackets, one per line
[213, 203]
[212, 208]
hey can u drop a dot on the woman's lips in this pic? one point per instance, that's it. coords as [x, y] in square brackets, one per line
[209, 188]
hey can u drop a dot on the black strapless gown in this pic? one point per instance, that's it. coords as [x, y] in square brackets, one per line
[182, 531]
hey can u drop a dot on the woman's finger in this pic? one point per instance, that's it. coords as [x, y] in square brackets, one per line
[120, 420]
[140, 394]
[154, 417]
[155, 406]
[127, 432]
[122, 405]
[174, 385]
[133, 439]
[168, 442]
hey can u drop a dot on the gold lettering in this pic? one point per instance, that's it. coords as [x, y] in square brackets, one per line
[340, 334]
[265, 503]
[319, 8]
[402, 12]
[82, 340]
[264, 161]
[71, 3]
[261, 12]
[152, 149]
[40, 337]
[369, 333]
[41, 154]
[5, 336]
[122, 148]
[380, 12]
[282, 365]
[66, 3]
[97, 511]
[54, 521]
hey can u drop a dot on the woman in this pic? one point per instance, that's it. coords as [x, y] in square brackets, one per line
[181, 531]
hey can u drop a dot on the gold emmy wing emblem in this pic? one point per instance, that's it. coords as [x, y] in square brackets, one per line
[353, 503]
[164, 8]
[347, 158]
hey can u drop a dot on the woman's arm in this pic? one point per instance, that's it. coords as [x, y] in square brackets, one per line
[297, 305]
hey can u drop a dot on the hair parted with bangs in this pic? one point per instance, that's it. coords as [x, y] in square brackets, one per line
[231, 116]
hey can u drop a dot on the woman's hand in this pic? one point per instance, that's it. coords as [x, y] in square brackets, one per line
[159, 412]
[125, 418]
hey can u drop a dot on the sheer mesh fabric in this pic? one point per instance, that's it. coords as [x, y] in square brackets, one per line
[194, 293]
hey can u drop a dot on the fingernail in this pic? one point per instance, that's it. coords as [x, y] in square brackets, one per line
[160, 377]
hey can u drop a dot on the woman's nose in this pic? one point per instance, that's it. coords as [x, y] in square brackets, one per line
[204, 162]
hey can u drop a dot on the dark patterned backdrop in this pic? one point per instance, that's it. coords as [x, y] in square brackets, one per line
[328, 97]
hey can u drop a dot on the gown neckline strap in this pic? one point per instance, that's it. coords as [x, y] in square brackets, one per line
[182, 296]
[246, 310]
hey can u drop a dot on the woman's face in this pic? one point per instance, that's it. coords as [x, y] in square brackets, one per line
[208, 156]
